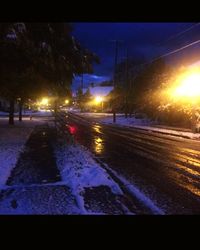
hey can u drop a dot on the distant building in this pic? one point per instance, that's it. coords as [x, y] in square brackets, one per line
[102, 91]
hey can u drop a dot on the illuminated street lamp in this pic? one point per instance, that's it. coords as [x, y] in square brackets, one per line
[44, 101]
[99, 101]
[66, 101]
[189, 87]
[188, 90]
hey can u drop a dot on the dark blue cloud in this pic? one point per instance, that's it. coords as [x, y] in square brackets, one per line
[88, 79]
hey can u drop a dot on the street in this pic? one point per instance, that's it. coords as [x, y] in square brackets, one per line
[165, 168]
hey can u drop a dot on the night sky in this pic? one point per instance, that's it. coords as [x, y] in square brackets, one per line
[144, 41]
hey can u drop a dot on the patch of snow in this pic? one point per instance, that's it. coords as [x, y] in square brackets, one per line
[172, 132]
[29, 112]
[138, 194]
[127, 121]
[11, 36]
[79, 170]
[12, 140]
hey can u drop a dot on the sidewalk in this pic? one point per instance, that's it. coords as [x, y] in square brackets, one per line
[34, 186]
[37, 163]
[27, 113]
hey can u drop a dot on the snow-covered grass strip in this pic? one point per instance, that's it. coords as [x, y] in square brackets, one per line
[79, 170]
[135, 191]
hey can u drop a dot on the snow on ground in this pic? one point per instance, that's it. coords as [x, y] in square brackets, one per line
[173, 132]
[144, 124]
[136, 192]
[12, 140]
[120, 119]
[79, 170]
[29, 112]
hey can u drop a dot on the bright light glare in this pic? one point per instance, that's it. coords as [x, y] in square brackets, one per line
[98, 99]
[44, 101]
[189, 87]
[66, 101]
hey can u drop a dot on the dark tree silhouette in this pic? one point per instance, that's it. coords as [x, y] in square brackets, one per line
[38, 56]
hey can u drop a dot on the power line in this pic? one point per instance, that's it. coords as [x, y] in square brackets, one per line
[180, 33]
[172, 52]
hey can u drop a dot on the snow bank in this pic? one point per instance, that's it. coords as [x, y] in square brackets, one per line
[141, 196]
[96, 115]
[148, 125]
[127, 121]
[107, 118]
[174, 132]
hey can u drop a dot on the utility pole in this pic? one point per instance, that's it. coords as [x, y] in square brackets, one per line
[117, 42]
[126, 85]
[82, 82]
[115, 61]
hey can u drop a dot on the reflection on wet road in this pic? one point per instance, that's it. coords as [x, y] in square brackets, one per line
[166, 168]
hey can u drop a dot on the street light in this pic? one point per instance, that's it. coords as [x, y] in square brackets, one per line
[66, 101]
[188, 90]
[44, 101]
[99, 100]
[189, 87]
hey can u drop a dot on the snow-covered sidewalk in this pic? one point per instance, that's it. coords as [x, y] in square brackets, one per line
[28, 113]
[12, 140]
[143, 124]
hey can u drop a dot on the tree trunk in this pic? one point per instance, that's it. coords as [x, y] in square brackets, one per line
[56, 106]
[20, 110]
[114, 116]
[55, 112]
[126, 108]
[11, 112]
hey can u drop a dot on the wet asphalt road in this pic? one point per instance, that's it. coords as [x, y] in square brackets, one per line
[166, 168]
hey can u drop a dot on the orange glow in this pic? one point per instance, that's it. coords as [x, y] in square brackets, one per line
[187, 86]
[98, 99]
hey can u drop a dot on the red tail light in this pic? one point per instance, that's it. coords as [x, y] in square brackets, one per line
[72, 129]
